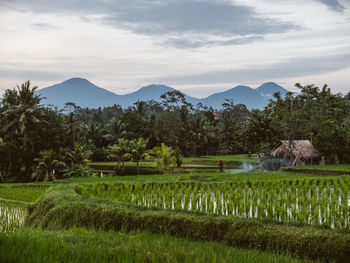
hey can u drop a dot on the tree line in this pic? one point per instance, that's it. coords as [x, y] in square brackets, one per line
[32, 133]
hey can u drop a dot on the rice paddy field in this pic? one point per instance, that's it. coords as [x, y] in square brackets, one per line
[201, 217]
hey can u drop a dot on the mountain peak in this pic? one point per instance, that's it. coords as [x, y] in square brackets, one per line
[76, 80]
[156, 87]
[86, 94]
[269, 88]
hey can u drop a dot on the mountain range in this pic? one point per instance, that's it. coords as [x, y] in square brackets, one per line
[85, 94]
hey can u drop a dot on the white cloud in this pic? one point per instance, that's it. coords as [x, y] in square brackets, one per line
[107, 42]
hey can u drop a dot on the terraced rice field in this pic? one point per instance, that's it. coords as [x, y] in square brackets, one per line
[306, 201]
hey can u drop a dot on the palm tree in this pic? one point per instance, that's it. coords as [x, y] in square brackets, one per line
[138, 151]
[199, 133]
[117, 129]
[79, 155]
[120, 152]
[72, 127]
[94, 133]
[2, 143]
[47, 163]
[22, 114]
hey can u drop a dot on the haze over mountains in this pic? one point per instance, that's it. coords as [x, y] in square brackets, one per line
[85, 94]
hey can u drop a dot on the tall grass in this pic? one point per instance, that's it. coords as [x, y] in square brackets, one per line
[81, 245]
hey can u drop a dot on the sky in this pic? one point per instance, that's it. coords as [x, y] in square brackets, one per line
[197, 46]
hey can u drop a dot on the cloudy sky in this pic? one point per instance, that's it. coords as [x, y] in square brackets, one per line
[197, 46]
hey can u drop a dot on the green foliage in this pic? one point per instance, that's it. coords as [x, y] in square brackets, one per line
[120, 152]
[164, 156]
[98, 154]
[27, 128]
[178, 157]
[77, 170]
[79, 155]
[48, 167]
[138, 151]
[21, 116]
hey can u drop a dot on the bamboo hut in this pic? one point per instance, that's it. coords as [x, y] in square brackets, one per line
[295, 152]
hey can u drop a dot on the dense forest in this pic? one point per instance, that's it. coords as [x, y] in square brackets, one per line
[34, 138]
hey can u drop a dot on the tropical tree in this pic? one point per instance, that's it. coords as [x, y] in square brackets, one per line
[72, 128]
[117, 129]
[22, 114]
[201, 130]
[2, 143]
[79, 154]
[47, 167]
[120, 152]
[165, 157]
[138, 151]
[177, 160]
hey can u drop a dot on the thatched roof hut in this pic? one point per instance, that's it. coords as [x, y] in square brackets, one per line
[295, 152]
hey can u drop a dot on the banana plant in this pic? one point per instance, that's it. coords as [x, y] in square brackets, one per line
[47, 166]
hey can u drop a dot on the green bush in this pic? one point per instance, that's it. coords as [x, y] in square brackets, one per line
[98, 154]
[77, 170]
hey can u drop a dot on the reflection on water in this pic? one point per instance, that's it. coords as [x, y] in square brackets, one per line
[243, 168]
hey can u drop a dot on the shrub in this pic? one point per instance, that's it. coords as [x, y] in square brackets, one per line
[77, 170]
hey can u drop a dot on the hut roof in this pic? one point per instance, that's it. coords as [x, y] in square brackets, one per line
[298, 148]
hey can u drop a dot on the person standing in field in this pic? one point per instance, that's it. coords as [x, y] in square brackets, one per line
[221, 166]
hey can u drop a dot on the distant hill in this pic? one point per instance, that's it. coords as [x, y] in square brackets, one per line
[269, 88]
[151, 92]
[240, 95]
[85, 94]
[80, 91]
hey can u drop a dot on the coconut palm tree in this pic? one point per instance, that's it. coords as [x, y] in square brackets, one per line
[138, 151]
[120, 152]
[22, 114]
[117, 129]
[72, 126]
[79, 155]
